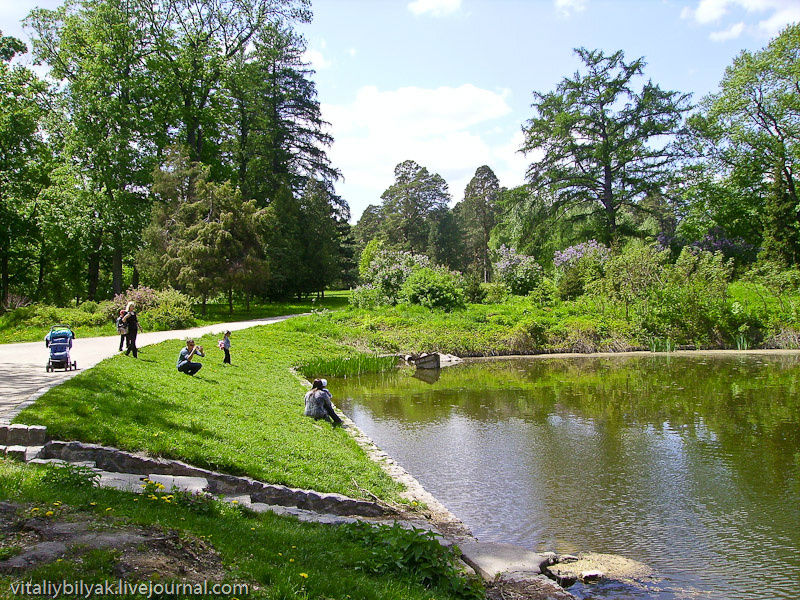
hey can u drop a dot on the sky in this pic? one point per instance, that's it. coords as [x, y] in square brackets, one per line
[449, 83]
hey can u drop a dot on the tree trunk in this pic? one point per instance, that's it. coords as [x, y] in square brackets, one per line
[230, 301]
[4, 279]
[116, 268]
[204, 305]
[135, 278]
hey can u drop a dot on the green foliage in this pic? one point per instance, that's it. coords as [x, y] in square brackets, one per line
[68, 475]
[173, 310]
[385, 276]
[496, 293]
[416, 552]
[350, 366]
[433, 288]
[600, 141]
[518, 272]
[474, 290]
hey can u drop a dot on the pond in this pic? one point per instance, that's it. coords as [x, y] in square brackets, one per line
[689, 464]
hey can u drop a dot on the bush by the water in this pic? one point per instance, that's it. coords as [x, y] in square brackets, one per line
[433, 288]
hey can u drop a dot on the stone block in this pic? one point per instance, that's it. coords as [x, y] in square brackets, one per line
[32, 453]
[37, 435]
[17, 435]
[16, 452]
[126, 482]
[490, 559]
[4, 434]
[181, 482]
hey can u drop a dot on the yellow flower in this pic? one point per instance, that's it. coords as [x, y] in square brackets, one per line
[49, 513]
[135, 499]
[280, 553]
[92, 503]
[252, 529]
[234, 502]
[291, 560]
[108, 509]
[34, 509]
[294, 546]
[56, 503]
[304, 575]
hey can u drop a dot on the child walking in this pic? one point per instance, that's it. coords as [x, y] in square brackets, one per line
[226, 347]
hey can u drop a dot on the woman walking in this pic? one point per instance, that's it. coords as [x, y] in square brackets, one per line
[132, 323]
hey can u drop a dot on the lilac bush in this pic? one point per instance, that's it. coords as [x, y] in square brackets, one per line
[521, 273]
[386, 274]
[571, 256]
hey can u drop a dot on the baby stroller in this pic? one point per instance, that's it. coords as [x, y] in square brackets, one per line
[59, 340]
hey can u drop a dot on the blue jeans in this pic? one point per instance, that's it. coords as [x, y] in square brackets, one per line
[190, 368]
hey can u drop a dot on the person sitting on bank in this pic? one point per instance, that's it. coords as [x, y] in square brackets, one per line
[318, 403]
[185, 363]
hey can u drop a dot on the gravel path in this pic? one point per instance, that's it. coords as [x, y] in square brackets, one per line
[23, 377]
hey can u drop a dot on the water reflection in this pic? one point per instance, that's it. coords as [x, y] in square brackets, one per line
[689, 464]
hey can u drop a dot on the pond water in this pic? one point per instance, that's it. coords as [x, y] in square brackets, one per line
[689, 464]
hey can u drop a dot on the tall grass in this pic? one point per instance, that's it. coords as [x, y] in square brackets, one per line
[347, 366]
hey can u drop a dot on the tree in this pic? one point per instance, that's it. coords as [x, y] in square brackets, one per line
[408, 204]
[479, 216]
[601, 140]
[203, 237]
[368, 226]
[747, 136]
[22, 106]
[279, 131]
[98, 52]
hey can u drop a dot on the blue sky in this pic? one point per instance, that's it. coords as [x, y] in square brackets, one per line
[448, 83]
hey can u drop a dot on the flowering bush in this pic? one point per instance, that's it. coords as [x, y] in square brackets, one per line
[579, 265]
[433, 288]
[519, 272]
[571, 256]
[385, 276]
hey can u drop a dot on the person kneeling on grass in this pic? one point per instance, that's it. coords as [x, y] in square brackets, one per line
[318, 403]
[185, 364]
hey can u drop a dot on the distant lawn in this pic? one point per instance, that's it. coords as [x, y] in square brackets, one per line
[279, 557]
[86, 325]
[245, 419]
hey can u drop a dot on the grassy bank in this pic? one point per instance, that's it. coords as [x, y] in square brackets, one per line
[278, 557]
[31, 323]
[243, 419]
[532, 325]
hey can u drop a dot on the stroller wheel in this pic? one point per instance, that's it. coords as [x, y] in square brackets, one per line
[74, 365]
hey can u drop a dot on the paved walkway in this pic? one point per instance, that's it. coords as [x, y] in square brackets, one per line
[23, 377]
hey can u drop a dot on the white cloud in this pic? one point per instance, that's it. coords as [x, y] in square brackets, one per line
[449, 130]
[779, 13]
[315, 57]
[568, 7]
[731, 33]
[434, 8]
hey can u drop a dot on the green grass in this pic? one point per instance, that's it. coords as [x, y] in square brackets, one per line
[244, 419]
[348, 366]
[268, 552]
[34, 328]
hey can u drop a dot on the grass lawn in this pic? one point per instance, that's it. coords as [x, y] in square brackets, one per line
[36, 326]
[244, 419]
[280, 558]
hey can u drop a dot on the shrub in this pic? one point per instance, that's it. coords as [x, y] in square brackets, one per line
[433, 288]
[474, 291]
[172, 310]
[496, 293]
[388, 271]
[578, 266]
[416, 552]
[519, 272]
[366, 296]
[89, 307]
[145, 298]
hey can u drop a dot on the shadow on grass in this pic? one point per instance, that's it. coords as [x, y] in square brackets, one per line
[100, 411]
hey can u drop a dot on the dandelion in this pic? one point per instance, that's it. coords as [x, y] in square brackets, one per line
[108, 509]
[92, 503]
[56, 503]
[252, 529]
[304, 575]
[291, 560]
[49, 513]
[280, 553]
[294, 546]
[234, 502]
[34, 509]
